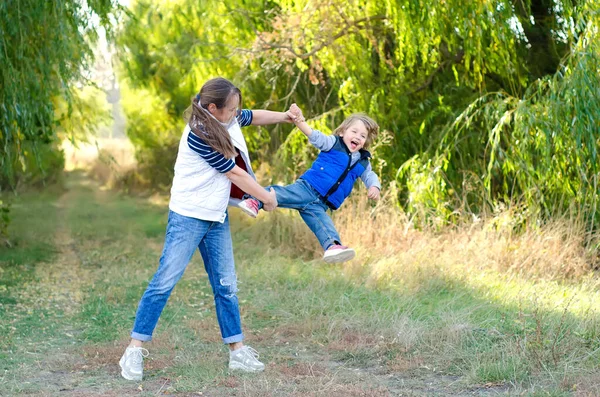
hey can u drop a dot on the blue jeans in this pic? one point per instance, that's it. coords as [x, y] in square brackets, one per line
[302, 197]
[183, 236]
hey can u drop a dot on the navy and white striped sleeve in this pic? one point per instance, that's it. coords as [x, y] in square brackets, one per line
[245, 117]
[212, 157]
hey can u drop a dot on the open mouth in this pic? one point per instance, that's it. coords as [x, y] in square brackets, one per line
[354, 144]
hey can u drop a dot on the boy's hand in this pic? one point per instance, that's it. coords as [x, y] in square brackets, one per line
[373, 193]
[298, 118]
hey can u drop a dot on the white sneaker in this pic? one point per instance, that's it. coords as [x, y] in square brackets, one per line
[338, 253]
[245, 359]
[250, 206]
[132, 363]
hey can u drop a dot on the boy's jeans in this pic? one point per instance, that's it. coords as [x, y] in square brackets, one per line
[183, 236]
[302, 197]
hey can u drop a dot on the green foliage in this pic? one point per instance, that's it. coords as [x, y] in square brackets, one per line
[427, 189]
[79, 117]
[40, 164]
[44, 47]
[483, 103]
[165, 58]
[4, 221]
[153, 132]
[541, 148]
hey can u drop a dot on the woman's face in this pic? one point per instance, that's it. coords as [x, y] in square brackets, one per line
[228, 112]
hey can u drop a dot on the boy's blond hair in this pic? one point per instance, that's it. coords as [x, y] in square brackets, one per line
[370, 125]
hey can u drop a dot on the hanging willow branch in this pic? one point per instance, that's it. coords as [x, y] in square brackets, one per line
[44, 46]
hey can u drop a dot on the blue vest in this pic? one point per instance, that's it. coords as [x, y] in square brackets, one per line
[332, 176]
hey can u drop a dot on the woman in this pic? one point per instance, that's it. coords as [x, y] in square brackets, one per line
[212, 155]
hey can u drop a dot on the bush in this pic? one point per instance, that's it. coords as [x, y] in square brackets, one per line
[4, 222]
[39, 165]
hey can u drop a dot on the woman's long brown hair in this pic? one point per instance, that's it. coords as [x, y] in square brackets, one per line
[217, 91]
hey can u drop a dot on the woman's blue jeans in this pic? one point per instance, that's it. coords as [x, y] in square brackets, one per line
[183, 236]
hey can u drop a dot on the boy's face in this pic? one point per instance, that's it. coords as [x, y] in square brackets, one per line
[355, 136]
[228, 112]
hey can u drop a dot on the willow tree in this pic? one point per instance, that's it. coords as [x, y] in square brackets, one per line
[488, 102]
[167, 51]
[44, 47]
[436, 76]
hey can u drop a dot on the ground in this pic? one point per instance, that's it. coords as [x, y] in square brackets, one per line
[83, 256]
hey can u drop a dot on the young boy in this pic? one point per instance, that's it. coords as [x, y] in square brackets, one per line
[343, 159]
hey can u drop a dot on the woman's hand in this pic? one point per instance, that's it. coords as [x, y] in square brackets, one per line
[373, 193]
[289, 117]
[271, 204]
[244, 181]
[295, 114]
[294, 118]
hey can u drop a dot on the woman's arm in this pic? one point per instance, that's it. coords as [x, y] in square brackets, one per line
[244, 181]
[266, 117]
[226, 166]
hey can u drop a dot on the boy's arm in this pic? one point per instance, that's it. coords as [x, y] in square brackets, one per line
[371, 181]
[304, 127]
[321, 141]
[266, 117]
[316, 138]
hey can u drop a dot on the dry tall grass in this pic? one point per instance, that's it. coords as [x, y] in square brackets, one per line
[388, 243]
[111, 161]
[118, 152]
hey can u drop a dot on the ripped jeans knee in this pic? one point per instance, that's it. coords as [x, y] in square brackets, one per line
[227, 286]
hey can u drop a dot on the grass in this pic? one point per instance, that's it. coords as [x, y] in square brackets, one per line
[400, 319]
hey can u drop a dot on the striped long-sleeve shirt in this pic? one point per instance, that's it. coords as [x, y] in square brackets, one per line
[212, 157]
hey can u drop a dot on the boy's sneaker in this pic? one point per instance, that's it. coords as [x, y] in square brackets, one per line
[245, 359]
[338, 253]
[250, 206]
[132, 363]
